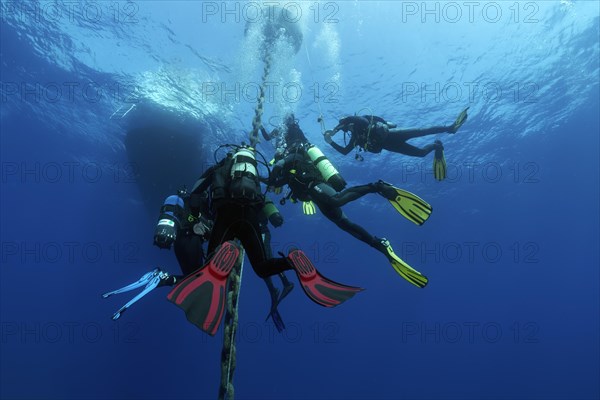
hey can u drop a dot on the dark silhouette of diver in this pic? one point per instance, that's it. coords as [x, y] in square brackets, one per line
[183, 229]
[373, 134]
[185, 222]
[236, 202]
[278, 134]
[299, 172]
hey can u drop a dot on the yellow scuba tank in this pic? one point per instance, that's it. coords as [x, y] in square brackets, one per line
[326, 168]
[269, 208]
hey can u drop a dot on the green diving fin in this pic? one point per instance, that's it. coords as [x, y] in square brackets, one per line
[403, 269]
[460, 120]
[411, 206]
[308, 208]
[439, 162]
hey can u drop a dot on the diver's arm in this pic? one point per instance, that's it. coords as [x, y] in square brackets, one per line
[204, 181]
[344, 150]
[345, 126]
[269, 136]
[265, 134]
[452, 128]
[276, 174]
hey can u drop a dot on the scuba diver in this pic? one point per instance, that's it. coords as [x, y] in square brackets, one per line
[236, 202]
[311, 182]
[185, 223]
[182, 229]
[279, 132]
[290, 134]
[374, 134]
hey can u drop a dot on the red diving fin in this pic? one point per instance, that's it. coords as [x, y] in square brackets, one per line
[318, 288]
[202, 294]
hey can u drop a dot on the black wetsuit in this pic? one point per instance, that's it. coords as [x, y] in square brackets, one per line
[188, 250]
[289, 131]
[276, 221]
[373, 134]
[187, 244]
[238, 218]
[299, 173]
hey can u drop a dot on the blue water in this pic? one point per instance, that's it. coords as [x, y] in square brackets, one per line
[511, 249]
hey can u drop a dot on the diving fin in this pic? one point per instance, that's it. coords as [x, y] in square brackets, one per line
[202, 294]
[277, 321]
[286, 290]
[319, 289]
[411, 206]
[277, 298]
[460, 120]
[403, 269]
[150, 280]
[276, 317]
[439, 162]
[308, 208]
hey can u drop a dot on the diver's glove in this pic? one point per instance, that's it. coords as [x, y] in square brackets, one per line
[327, 136]
[276, 219]
[165, 234]
[203, 228]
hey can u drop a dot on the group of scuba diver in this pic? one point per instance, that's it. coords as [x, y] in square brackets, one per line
[228, 209]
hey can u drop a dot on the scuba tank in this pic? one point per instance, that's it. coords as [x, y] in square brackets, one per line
[271, 212]
[244, 161]
[269, 208]
[326, 168]
[244, 183]
[169, 222]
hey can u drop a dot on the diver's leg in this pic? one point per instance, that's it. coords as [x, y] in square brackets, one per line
[284, 280]
[189, 252]
[335, 215]
[398, 146]
[406, 134]
[266, 236]
[222, 230]
[326, 195]
[287, 285]
[248, 232]
[273, 291]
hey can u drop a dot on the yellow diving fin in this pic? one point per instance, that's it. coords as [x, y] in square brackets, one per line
[439, 163]
[460, 120]
[403, 269]
[411, 206]
[308, 208]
